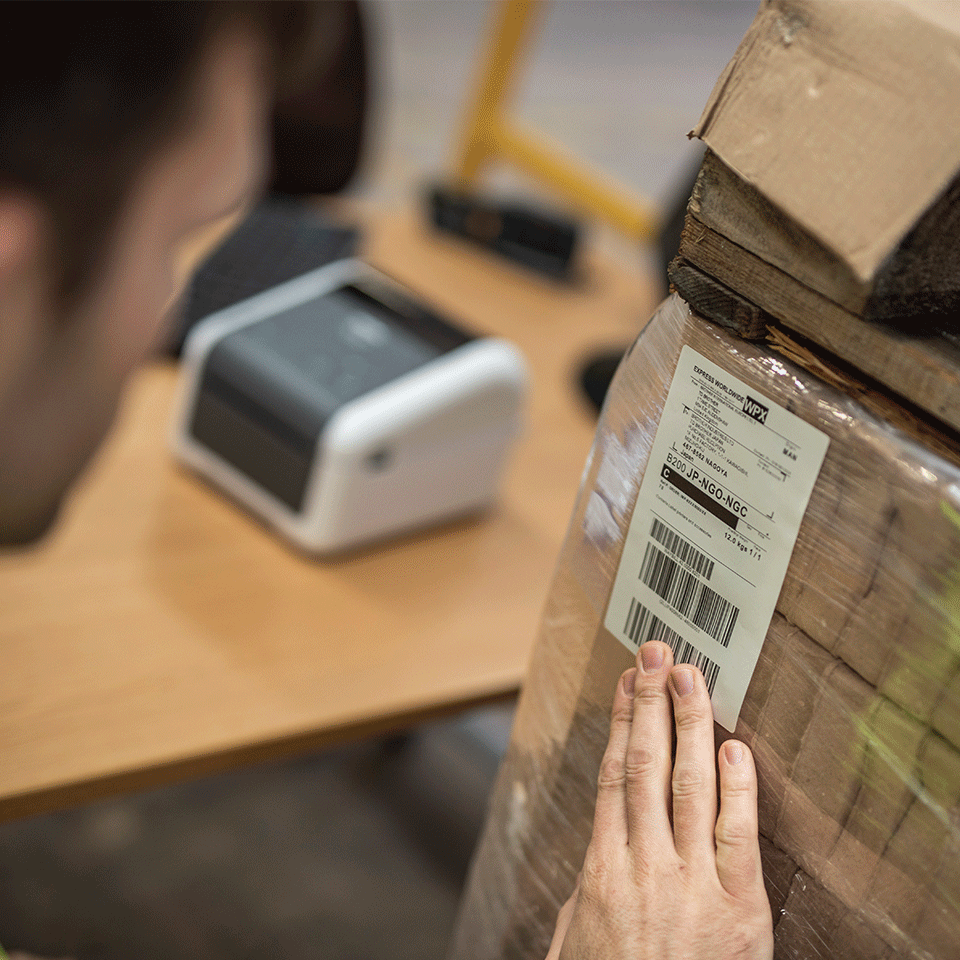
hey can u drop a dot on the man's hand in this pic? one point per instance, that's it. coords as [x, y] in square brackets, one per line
[665, 877]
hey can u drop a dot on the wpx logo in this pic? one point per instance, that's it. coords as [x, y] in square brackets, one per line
[754, 408]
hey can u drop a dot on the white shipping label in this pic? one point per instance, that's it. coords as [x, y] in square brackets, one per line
[725, 489]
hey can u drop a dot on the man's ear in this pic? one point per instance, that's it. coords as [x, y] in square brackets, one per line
[20, 221]
[22, 270]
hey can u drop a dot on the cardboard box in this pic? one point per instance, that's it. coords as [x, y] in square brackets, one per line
[844, 116]
[829, 199]
[859, 786]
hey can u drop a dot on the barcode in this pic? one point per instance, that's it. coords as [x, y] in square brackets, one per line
[688, 595]
[682, 549]
[642, 625]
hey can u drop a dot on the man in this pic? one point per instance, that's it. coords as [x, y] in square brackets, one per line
[123, 130]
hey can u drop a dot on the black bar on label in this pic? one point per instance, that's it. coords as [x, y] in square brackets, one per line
[699, 496]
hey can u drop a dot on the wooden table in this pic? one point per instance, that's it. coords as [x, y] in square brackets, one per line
[161, 633]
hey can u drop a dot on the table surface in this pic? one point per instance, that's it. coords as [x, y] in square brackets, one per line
[161, 633]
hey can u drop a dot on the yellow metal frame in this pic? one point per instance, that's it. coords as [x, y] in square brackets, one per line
[490, 134]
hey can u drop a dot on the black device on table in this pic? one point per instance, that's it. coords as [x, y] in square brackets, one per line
[279, 240]
[543, 242]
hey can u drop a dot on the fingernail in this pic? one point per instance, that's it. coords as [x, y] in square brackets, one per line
[734, 751]
[683, 681]
[630, 682]
[651, 656]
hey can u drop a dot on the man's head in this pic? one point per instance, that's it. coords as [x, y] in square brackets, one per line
[123, 130]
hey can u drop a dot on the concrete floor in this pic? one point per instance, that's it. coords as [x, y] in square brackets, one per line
[361, 852]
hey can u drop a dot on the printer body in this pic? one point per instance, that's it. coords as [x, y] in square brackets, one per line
[341, 410]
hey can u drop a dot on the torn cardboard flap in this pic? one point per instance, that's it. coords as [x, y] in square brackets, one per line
[845, 115]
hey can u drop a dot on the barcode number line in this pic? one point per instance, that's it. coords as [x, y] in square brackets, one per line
[689, 595]
[682, 549]
[643, 626]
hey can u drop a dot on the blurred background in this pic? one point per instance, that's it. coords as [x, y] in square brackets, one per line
[619, 83]
[361, 852]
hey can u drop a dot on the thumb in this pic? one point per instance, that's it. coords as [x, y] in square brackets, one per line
[738, 846]
[563, 923]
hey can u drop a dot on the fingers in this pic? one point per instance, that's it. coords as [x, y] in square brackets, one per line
[648, 761]
[610, 817]
[694, 784]
[738, 847]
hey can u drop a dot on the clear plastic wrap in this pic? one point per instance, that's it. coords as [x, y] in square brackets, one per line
[853, 711]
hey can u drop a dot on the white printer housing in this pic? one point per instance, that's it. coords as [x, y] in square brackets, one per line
[340, 410]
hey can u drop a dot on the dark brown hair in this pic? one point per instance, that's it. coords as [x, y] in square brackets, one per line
[88, 91]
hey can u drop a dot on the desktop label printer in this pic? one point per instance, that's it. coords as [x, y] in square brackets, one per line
[341, 410]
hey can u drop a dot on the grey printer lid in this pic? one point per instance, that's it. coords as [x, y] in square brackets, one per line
[269, 388]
